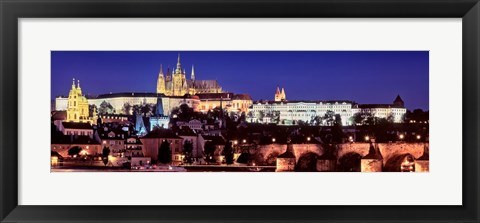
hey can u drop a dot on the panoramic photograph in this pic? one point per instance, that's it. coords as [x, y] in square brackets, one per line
[239, 111]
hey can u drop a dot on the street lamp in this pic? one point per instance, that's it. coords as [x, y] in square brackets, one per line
[273, 140]
[401, 136]
[308, 139]
[350, 138]
[418, 137]
[244, 141]
[367, 138]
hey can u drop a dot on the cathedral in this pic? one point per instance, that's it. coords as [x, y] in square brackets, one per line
[175, 83]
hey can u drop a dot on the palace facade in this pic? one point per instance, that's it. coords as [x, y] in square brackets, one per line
[284, 112]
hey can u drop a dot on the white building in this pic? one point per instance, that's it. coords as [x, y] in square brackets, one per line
[291, 112]
[396, 110]
[200, 102]
[118, 100]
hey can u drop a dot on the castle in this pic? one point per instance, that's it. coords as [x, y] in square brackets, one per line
[176, 83]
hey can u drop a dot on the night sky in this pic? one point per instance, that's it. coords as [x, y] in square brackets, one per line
[366, 77]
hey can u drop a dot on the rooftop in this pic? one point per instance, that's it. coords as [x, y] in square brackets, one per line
[76, 125]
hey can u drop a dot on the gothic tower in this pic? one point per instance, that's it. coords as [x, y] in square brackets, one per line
[193, 74]
[161, 82]
[179, 83]
[277, 95]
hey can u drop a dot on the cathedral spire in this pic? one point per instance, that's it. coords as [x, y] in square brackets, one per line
[161, 71]
[168, 74]
[73, 83]
[193, 74]
[179, 65]
[161, 82]
[79, 90]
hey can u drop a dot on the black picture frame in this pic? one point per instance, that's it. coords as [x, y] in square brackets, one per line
[11, 11]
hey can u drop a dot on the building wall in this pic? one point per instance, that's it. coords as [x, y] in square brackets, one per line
[118, 102]
[384, 112]
[116, 146]
[197, 150]
[304, 111]
[80, 132]
[151, 145]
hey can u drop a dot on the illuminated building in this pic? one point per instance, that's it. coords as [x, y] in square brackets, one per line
[285, 112]
[77, 108]
[280, 96]
[228, 101]
[176, 84]
[159, 120]
[396, 110]
[173, 90]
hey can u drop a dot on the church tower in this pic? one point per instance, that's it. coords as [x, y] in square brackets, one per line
[277, 95]
[161, 82]
[77, 109]
[179, 84]
[280, 95]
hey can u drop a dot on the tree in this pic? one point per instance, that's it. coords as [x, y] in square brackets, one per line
[337, 133]
[391, 118]
[105, 153]
[146, 109]
[228, 152]
[250, 115]
[127, 108]
[74, 151]
[91, 108]
[105, 108]
[187, 151]
[261, 115]
[329, 117]
[164, 153]
[316, 120]
[417, 116]
[209, 149]
[363, 118]
[276, 117]
[136, 109]
[185, 112]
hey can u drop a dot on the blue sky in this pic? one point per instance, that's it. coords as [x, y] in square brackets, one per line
[362, 76]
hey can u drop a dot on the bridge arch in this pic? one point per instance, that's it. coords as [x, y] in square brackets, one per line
[349, 162]
[307, 162]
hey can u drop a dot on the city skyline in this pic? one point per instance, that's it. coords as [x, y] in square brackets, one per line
[360, 76]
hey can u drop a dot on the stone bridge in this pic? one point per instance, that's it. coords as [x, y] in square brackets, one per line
[389, 151]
